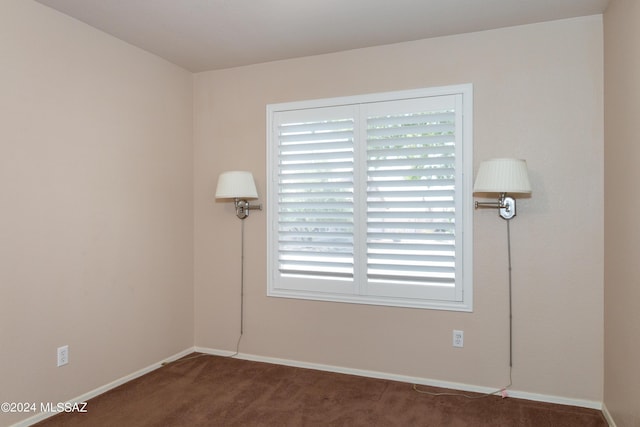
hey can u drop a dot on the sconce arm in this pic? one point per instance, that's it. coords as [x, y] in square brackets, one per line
[243, 207]
[505, 204]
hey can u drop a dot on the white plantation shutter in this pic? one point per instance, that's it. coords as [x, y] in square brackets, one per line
[367, 199]
[315, 193]
[411, 186]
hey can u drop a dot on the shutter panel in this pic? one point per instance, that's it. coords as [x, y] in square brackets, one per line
[316, 193]
[411, 180]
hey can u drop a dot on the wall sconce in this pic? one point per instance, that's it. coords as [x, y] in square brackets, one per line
[240, 186]
[502, 176]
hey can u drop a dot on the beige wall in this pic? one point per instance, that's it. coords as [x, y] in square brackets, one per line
[538, 94]
[622, 233]
[96, 221]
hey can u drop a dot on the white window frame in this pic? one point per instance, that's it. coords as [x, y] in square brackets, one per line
[321, 289]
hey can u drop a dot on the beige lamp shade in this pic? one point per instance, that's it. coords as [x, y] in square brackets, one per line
[502, 176]
[236, 185]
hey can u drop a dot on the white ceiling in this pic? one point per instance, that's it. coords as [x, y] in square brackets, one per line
[204, 35]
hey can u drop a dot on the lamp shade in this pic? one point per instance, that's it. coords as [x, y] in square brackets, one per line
[236, 185]
[502, 176]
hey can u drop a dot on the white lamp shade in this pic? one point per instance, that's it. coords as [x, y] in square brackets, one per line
[236, 185]
[502, 176]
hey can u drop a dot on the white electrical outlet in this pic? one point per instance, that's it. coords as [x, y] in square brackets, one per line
[458, 338]
[63, 355]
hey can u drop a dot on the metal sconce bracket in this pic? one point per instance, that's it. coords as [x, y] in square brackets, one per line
[243, 207]
[505, 204]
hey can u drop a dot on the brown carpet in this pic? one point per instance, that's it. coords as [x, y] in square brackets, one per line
[218, 391]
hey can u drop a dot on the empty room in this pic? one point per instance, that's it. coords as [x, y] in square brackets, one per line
[366, 212]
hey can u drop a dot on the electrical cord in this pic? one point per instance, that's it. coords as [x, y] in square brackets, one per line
[237, 347]
[467, 396]
[510, 307]
[241, 289]
[502, 390]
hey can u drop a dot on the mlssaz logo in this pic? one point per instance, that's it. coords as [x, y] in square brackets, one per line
[63, 407]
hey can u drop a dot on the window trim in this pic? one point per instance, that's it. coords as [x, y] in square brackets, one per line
[465, 203]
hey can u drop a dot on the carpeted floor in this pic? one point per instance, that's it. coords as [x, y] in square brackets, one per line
[218, 391]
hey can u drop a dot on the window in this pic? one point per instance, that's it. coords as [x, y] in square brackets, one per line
[369, 199]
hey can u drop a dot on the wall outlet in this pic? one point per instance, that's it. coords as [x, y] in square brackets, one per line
[63, 355]
[458, 338]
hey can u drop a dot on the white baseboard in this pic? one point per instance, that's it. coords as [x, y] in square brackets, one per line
[102, 389]
[329, 368]
[607, 416]
[407, 379]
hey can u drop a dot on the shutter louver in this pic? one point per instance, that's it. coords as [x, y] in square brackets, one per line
[316, 197]
[411, 198]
